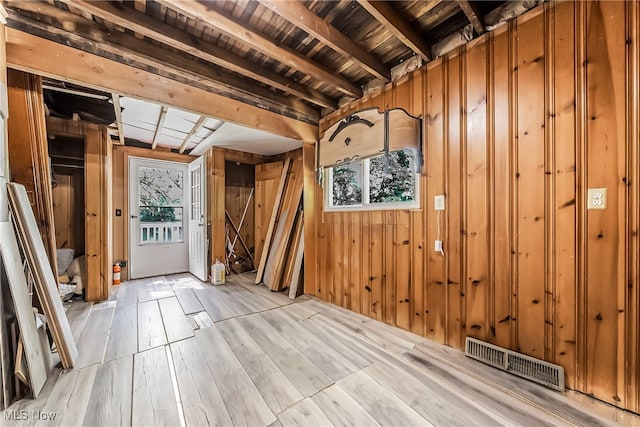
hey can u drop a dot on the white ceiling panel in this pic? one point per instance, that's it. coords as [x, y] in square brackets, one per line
[137, 133]
[140, 118]
[169, 138]
[248, 140]
[180, 120]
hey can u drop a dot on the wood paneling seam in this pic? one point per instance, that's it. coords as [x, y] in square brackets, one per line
[550, 184]
[513, 153]
[581, 85]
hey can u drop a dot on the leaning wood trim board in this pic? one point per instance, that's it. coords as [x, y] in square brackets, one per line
[272, 222]
[46, 286]
[297, 268]
[292, 255]
[271, 256]
[22, 303]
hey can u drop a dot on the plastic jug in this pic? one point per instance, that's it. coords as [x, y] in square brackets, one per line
[217, 273]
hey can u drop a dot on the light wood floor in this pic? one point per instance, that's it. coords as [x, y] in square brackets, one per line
[175, 351]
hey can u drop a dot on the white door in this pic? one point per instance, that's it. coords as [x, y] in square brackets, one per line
[198, 218]
[158, 227]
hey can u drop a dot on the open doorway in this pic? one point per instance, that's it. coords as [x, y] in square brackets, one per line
[67, 165]
[240, 216]
[81, 164]
[68, 195]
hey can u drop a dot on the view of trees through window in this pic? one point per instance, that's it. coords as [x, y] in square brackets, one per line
[392, 178]
[386, 179]
[160, 195]
[347, 185]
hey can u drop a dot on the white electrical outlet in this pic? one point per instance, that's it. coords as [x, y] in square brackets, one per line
[437, 246]
[438, 202]
[597, 198]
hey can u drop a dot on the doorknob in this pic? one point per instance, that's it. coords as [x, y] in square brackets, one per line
[134, 216]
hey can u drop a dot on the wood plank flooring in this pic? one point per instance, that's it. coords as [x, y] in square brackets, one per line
[176, 351]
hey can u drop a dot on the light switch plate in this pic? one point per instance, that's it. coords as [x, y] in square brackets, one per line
[597, 198]
[438, 202]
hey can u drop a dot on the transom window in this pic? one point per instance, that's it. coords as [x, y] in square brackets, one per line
[380, 182]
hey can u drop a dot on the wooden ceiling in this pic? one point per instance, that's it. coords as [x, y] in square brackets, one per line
[295, 58]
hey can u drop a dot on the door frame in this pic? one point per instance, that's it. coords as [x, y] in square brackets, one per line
[98, 203]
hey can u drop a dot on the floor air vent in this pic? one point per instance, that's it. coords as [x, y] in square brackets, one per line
[524, 366]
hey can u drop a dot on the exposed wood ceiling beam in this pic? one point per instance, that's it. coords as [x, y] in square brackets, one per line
[474, 15]
[196, 127]
[213, 19]
[50, 22]
[389, 17]
[159, 126]
[298, 14]
[118, 111]
[34, 54]
[171, 36]
[427, 6]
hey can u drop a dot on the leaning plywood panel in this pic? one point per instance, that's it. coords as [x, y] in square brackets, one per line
[293, 195]
[267, 180]
[272, 222]
[22, 303]
[38, 262]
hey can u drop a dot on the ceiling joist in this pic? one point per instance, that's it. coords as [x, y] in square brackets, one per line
[171, 36]
[389, 17]
[216, 20]
[196, 127]
[298, 14]
[159, 126]
[203, 145]
[474, 15]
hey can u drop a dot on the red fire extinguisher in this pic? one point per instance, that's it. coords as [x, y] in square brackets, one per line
[116, 273]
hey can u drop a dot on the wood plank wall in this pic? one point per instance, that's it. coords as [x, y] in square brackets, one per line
[68, 211]
[518, 125]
